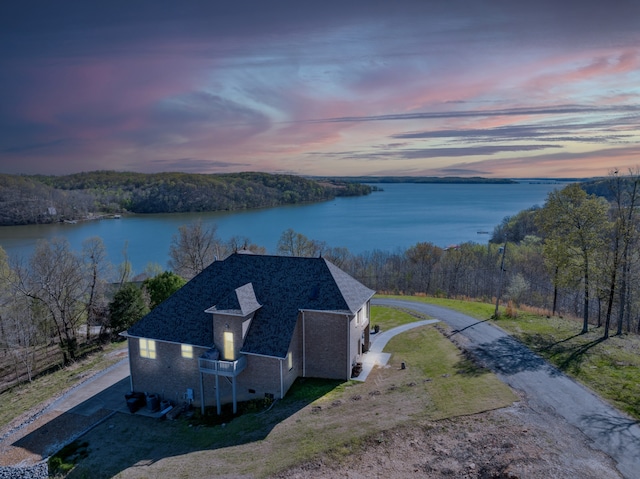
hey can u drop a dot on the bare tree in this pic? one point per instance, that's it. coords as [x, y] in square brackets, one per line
[21, 335]
[193, 249]
[124, 268]
[297, 244]
[55, 280]
[237, 243]
[626, 193]
[423, 258]
[338, 255]
[98, 269]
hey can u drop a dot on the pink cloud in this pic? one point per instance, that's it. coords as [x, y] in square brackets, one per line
[87, 98]
[570, 71]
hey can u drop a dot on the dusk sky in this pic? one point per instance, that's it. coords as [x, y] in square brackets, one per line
[505, 88]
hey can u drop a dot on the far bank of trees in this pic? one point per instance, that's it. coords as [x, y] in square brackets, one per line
[576, 255]
[48, 199]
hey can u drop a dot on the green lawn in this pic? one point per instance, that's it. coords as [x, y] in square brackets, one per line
[27, 396]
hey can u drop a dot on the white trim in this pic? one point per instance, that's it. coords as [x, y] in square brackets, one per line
[231, 312]
[263, 355]
[329, 311]
[281, 380]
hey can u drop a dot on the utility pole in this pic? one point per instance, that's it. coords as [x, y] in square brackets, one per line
[504, 252]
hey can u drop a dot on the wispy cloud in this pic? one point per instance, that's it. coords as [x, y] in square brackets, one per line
[320, 88]
[518, 111]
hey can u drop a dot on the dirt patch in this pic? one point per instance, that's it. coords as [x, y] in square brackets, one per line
[510, 443]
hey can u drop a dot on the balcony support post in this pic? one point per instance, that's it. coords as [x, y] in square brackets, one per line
[235, 403]
[218, 407]
[202, 393]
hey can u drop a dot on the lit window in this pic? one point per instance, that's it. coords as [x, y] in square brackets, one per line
[147, 348]
[228, 346]
[187, 351]
[290, 360]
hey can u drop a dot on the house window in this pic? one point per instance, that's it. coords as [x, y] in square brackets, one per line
[187, 351]
[147, 348]
[228, 346]
[290, 360]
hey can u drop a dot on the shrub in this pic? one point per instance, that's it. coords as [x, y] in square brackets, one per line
[511, 311]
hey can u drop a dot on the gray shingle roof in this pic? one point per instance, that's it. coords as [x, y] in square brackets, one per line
[279, 285]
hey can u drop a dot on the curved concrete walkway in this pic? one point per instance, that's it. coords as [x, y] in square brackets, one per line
[547, 389]
[375, 356]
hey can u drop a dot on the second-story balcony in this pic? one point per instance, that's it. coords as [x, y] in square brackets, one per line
[222, 367]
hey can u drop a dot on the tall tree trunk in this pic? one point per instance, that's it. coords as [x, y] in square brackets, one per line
[623, 295]
[612, 287]
[555, 291]
[585, 313]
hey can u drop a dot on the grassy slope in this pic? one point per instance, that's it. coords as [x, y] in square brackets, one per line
[26, 397]
[611, 368]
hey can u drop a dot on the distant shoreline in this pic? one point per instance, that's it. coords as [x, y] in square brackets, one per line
[447, 180]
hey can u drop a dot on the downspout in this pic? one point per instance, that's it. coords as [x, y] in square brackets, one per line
[130, 375]
[281, 380]
[348, 347]
[304, 348]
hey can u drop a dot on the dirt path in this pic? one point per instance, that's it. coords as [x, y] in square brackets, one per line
[511, 443]
[546, 390]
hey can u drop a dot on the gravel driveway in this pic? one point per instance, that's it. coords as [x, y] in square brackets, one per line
[546, 388]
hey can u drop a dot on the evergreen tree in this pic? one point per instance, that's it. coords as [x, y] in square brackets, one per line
[127, 307]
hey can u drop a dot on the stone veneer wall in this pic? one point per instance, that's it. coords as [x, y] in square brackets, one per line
[34, 471]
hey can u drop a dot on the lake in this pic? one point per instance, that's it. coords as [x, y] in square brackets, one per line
[396, 218]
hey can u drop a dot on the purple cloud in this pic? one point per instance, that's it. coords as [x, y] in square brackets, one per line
[315, 87]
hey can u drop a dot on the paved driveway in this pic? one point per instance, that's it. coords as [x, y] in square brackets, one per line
[68, 417]
[545, 387]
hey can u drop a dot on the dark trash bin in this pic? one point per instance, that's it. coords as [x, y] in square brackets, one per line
[135, 401]
[153, 403]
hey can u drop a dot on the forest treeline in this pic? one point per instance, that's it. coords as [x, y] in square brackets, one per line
[427, 179]
[577, 255]
[47, 199]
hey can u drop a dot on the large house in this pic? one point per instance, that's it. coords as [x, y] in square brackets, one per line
[247, 327]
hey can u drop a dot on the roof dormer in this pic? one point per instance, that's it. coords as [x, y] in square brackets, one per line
[241, 301]
[232, 316]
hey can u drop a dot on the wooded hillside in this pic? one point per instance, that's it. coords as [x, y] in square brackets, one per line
[47, 199]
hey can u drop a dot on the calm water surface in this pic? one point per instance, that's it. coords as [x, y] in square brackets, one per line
[398, 217]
